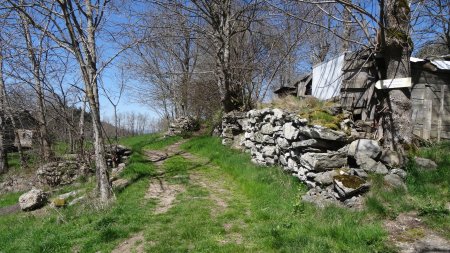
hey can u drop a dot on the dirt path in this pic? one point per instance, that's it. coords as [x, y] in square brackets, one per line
[410, 235]
[10, 209]
[132, 244]
[166, 193]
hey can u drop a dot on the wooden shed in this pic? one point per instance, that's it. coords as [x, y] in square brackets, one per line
[304, 86]
[286, 91]
[359, 75]
[355, 88]
[26, 126]
[431, 98]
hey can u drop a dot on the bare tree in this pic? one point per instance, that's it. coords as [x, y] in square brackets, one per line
[3, 125]
[75, 25]
[431, 26]
[35, 56]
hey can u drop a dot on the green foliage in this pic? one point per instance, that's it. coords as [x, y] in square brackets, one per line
[85, 227]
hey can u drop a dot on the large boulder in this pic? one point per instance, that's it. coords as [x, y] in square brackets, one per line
[323, 161]
[323, 133]
[32, 200]
[370, 165]
[282, 143]
[425, 164]
[326, 178]
[395, 181]
[320, 198]
[391, 158]
[60, 173]
[267, 129]
[366, 147]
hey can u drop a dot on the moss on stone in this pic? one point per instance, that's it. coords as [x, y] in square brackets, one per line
[59, 202]
[348, 181]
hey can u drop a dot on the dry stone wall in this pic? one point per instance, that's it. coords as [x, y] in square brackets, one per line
[333, 164]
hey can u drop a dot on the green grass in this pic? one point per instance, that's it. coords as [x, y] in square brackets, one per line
[428, 191]
[84, 227]
[279, 222]
[9, 199]
[228, 205]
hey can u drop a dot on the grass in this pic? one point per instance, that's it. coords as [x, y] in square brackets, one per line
[9, 199]
[228, 205]
[316, 111]
[279, 222]
[84, 227]
[428, 191]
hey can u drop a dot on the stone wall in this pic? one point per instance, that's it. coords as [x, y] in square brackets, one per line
[333, 164]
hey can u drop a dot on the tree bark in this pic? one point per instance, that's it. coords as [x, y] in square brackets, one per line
[229, 97]
[396, 103]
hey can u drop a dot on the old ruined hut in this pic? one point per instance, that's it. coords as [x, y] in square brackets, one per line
[25, 125]
[300, 88]
[351, 79]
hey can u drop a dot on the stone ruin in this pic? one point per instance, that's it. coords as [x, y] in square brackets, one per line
[182, 125]
[61, 173]
[116, 154]
[333, 164]
[67, 171]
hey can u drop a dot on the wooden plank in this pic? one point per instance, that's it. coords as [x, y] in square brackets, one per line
[427, 110]
[394, 83]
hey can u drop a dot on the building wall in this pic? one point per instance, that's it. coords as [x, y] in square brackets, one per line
[327, 78]
[431, 103]
[358, 85]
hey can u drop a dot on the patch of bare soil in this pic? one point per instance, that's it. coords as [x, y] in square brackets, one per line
[132, 244]
[410, 235]
[156, 156]
[10, 209]
[164, 193]
[217, 192]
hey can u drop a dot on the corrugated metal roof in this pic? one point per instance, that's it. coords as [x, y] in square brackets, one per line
[440, 64]
[444, 65]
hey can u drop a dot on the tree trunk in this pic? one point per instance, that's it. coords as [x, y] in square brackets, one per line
[229, 97]
[396, 105]
[41, 115]
[103, 184]
[81, 128]
[3, 121]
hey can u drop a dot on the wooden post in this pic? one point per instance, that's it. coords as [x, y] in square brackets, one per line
[441, 112]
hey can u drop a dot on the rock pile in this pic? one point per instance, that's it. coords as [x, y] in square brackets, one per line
[232, 124]
[182, 125]
[331, 163]
[116, 154]
[61, 173]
